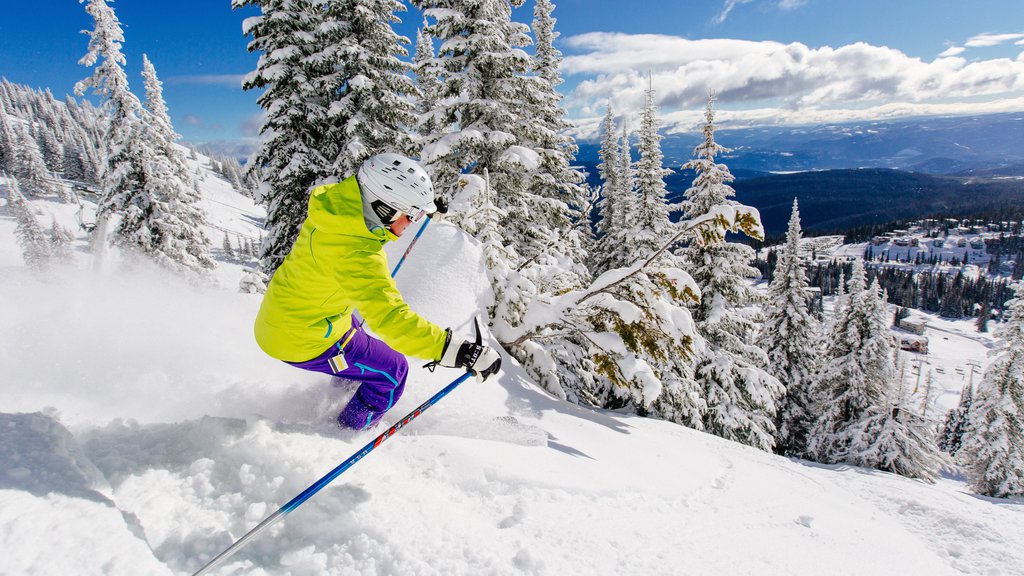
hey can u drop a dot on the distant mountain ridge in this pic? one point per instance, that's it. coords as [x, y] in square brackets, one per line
[934, 145]
[856, 174]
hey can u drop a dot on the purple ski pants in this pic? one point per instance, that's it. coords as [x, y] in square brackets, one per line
[380, 370]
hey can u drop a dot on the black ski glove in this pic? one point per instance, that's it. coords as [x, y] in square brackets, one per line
[479, 359]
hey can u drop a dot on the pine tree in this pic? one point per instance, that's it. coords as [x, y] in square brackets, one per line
[428, 85]
[7, 143]
[31, 170]
[955, 424]
[546, 132]
[741, 395]
[621, 203]
[290, 159]
[176, 226]
[608, 170]
[356, 64]
[335, 92]
[993, 445]
[497, 111]
[229, 253]
[892, 437]
[840, 391]
[35, 248]
[981, 324]
[123, 174]
[790, 336]
[649, 221]
[60, 242]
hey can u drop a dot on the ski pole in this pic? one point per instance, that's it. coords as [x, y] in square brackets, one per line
[328, 478]
[411, 244]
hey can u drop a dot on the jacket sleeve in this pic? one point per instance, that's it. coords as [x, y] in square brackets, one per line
[364, 276]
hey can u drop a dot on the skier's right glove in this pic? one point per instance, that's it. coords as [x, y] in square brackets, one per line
[479, 359]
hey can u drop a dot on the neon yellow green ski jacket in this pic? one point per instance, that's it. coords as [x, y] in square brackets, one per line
[338, 266]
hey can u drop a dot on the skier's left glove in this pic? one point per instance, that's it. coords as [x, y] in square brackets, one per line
[479, 359]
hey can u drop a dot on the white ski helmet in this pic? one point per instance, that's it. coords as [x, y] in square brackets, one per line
[392, 183]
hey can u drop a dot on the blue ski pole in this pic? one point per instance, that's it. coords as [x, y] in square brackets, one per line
[411, 244]
[328, 478]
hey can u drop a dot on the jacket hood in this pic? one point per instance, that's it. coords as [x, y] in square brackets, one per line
[337, 208]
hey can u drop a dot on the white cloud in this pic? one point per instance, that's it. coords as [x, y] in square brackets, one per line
[689, 121]
[729, 5]
[772, 76]
[952, 51]
[987, 39]
[791, 4]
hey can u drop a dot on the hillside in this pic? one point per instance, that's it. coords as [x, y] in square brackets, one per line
[934, 145]
[835, 200]
[141, 431]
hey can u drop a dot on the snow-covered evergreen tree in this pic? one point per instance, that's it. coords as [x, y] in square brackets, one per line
[858, 374]
[356, 67]
[123, 174]
[177, 222]
[895, 439]
[955, 425]
[993, 446]
[336, 93]
[61, 240]
[31, 237]
[545, 131]
[741, 395]
[627, 340]
[290, 157]
[790, 336]
[649, 222]
[7, 143]
[30, 168]
[501, 117]
[608, 170]
[615, 246]
[428, 85]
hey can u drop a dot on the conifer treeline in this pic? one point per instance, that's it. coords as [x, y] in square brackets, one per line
[949, 293]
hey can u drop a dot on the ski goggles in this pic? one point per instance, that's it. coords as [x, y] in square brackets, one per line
[390, 215]
[416, 216]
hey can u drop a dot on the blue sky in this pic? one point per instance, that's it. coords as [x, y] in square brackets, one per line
[772, 61]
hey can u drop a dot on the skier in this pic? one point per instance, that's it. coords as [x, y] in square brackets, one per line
[337, 266]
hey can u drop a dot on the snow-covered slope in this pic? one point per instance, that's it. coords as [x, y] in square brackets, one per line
[143, 431]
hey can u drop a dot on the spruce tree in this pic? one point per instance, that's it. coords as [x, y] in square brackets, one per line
[955, 424]
[30, 168]
[30, 235]
[993, 445]
[60, 242]
[123, 173]
[176, 226]
[649, 222]
[357, 72]
[336, 93]
[428, 85]
[497, 109]
[608, 170]
[7, 143]
[840, 392]
[790, 336]
[615, 248]
[741, 395]
[290, 160]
